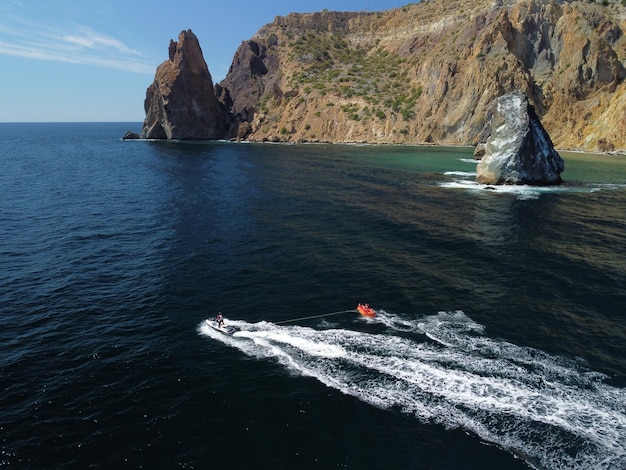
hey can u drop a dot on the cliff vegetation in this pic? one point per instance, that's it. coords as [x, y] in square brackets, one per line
[426, 73]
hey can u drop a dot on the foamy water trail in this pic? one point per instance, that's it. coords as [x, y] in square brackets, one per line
[443, 369]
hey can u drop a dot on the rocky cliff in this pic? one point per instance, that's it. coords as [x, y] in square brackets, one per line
[427, 72]
[181, 102]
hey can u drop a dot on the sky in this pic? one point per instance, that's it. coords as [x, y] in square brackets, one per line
[77, 60]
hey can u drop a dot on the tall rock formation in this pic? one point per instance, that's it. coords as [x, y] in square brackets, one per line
[519, 150]
[426, 72]
[181, 102]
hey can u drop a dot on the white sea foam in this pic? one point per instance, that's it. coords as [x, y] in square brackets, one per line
[465, 181]
[523, 192]
[314, 348]
[444, 369]
[469, 174]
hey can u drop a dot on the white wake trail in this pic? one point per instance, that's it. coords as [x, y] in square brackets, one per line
[443, 369]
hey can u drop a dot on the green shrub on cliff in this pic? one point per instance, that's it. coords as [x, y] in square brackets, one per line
[378, 76]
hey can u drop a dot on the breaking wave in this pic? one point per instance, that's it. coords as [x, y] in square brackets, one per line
[443, 369]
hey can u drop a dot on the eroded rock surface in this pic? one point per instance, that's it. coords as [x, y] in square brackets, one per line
[519, 150]
[426, 72]
[181, 102]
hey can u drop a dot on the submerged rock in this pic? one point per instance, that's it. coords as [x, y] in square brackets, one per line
[479, 151]
[181, 102]
[519, 150]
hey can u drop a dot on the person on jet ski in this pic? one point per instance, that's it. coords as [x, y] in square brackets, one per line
[220, 320]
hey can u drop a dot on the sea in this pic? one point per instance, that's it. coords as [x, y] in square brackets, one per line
[500, 332]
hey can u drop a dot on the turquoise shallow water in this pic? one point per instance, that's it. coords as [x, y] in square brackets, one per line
[499, 340]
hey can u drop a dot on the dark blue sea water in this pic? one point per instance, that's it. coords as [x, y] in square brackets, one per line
[500, 339]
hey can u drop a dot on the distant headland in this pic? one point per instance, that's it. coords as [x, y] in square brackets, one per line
[425, 73]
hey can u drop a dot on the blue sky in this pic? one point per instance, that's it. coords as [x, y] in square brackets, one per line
[71, 60]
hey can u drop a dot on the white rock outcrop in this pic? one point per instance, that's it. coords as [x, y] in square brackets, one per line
[519, 150]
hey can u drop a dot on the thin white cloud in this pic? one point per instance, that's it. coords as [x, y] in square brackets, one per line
[79, 41]
[92, 40]
[77, 45]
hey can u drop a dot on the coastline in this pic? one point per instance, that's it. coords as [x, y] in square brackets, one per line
[616, 153]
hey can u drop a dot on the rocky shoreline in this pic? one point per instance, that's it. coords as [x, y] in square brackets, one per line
[394, 78]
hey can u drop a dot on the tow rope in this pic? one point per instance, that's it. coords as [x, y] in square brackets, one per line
[316, 316]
